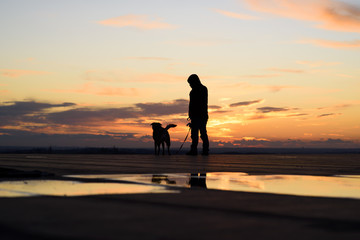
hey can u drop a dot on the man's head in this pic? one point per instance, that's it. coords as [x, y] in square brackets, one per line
[194, 80]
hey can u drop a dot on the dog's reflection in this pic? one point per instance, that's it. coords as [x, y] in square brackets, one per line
[162, 179]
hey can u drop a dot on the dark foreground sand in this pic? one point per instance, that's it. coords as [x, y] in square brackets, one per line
[191, 214]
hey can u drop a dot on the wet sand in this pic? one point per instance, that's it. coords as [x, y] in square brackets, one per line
[194, 213]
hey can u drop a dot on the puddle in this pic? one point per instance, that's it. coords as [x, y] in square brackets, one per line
[31, 188]
[345, 186]
[168, 179]
[316, 186]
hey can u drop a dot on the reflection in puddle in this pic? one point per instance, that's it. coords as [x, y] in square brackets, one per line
[336, 186]
[32, 188]
[317, 186]
[168, 179]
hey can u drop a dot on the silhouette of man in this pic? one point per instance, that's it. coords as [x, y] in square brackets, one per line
[198, 113]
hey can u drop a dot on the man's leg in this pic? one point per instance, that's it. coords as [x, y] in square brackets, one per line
[194, 137]
[204, 138]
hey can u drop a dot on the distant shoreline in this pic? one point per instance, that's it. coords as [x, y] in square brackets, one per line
[115, 150]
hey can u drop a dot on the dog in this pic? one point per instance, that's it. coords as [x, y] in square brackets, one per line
[161, 136]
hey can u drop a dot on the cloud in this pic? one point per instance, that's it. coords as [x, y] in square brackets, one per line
[220, 112]
[92, 117]
[200, 43]
[340, 106]
[160, 78]
[262, 113]
[250, 87]
[110, 91]
[344, 75]
[29, 114]
[260, 76]
[142, 22]
[103, 76]
[286, 70]
[129, 76]
[150, 58]
[16, 108]
[4, 91]
[89, 88]
[246, 103]
[272, 109]
[258, 117]
[328, 14]
[298, 115]
[214, 107]
[327, 115]
[332, 44]
[17, 111]
[178, 106]
[235, 15]
[276, 88]
[317, 63]
[14, 73]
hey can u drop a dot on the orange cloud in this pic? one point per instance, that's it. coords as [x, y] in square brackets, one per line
[160, 77]
[137, 21]
[317, 63]
[235, 15]
[328, 114]
[131, 76]
[344, 75]
[246, 103]
[88, 88]
[286, 70]
[150, 58]
[14, 73]
[260, 76]
[199, 43]
[330, 14]
[333, 44]
[249, 87]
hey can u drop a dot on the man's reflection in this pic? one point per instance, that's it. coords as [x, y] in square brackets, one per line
[198, 180]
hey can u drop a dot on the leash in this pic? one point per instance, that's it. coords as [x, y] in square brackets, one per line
[184, 140]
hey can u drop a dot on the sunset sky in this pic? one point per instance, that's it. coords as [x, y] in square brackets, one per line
[280, 73]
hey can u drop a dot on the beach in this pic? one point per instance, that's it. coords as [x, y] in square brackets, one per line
[193, 212]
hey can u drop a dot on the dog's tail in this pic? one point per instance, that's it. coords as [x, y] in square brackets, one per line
[170, 126]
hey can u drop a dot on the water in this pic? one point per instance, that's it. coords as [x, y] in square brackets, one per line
[31, 188]
[301, 185]
[316, 186]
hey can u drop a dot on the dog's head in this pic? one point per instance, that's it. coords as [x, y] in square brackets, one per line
[155, 125]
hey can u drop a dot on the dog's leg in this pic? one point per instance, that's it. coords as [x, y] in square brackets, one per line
[168, 147]
[163, 147]
[157, 149]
